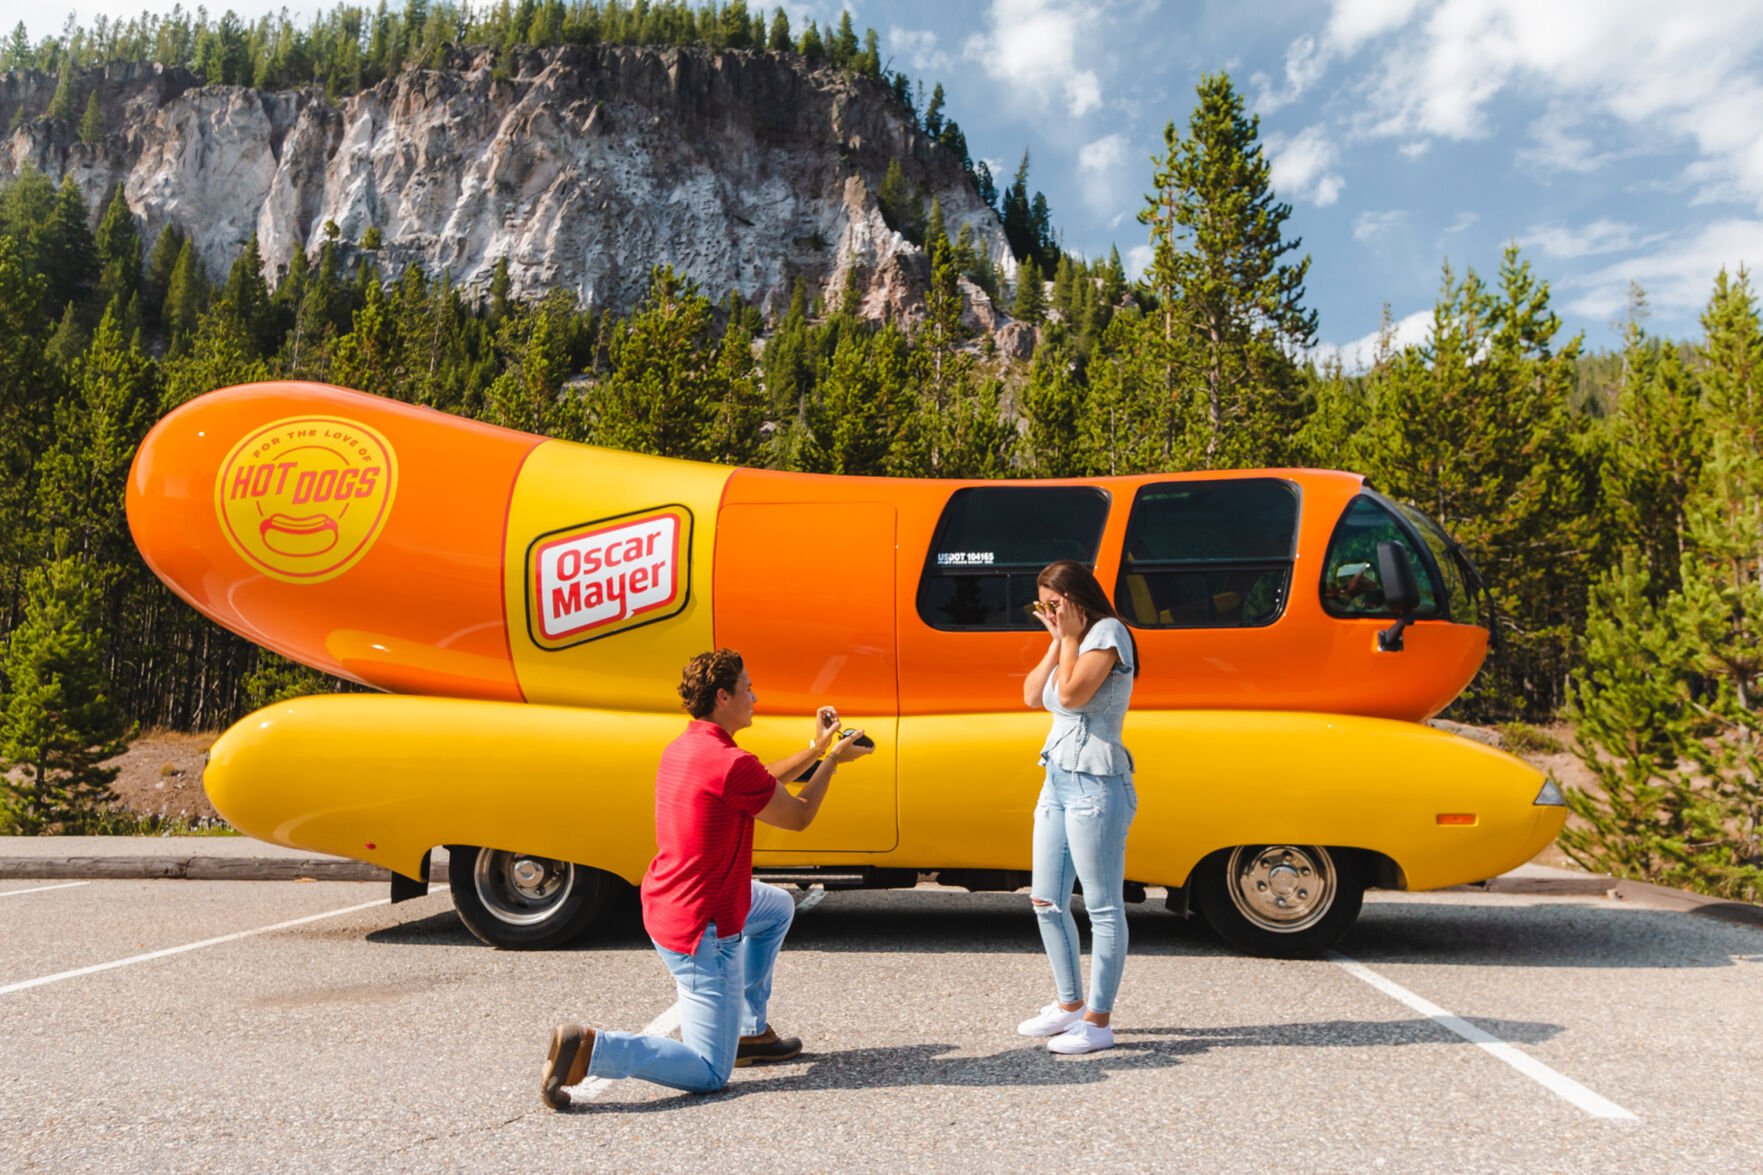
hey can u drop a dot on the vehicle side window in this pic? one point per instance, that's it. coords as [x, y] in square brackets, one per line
[1351, 582]
[1208, 554]
[990, 544]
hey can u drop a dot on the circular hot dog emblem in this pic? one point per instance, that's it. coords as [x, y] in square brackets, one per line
[303, 499]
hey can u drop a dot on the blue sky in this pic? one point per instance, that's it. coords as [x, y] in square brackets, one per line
[1617, 141]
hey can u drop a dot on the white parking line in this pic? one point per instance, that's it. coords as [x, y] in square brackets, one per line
[1562, 1086]
[9, 988]
[668, 1021]
[43, 888]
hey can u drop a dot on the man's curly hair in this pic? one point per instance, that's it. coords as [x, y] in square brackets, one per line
[704, 675]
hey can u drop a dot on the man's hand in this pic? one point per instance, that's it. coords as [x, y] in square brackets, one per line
[847, 748]
[826, 730]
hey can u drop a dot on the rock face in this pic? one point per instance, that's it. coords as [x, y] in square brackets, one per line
[583, 166]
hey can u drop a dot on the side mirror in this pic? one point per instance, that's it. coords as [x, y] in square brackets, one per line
[1400, 592]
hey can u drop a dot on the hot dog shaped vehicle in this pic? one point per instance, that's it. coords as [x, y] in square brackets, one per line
[527, 605]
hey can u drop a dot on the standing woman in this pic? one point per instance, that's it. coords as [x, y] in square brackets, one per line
[1087, 803]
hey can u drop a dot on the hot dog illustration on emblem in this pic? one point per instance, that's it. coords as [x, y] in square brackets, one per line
[302, 499]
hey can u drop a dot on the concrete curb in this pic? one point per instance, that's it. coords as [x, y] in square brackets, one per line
[200, 868]
[1560, 883]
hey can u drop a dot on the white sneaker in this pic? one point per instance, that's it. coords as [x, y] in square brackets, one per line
[1082, 1037]
[1051, 1021]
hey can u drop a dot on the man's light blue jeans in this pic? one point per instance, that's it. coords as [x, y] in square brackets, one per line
[724, 987]
[1080, 834]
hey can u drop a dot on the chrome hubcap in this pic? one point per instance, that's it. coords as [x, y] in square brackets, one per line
[1282, 888]
[519, 888]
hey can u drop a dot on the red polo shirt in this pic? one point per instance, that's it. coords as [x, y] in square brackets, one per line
[707, 791]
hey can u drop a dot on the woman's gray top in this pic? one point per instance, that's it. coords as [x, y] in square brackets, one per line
[1087, 738]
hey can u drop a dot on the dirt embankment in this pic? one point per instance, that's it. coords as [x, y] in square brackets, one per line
[161, 775]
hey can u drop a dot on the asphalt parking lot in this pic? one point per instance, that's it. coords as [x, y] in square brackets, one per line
[250, 1026]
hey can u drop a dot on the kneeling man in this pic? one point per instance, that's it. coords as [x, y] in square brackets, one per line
[716, 928]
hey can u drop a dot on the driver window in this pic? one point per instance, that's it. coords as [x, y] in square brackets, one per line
[1351, 583]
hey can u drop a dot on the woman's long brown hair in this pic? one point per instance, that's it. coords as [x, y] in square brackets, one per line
[1078, 584]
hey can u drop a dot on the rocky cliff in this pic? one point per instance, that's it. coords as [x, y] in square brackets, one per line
[583, 166]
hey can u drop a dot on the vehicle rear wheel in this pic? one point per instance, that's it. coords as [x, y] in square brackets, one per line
[518, 901]
[1280, 901]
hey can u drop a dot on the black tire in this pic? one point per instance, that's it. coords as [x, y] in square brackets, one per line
[1280, 901]
[522, 902]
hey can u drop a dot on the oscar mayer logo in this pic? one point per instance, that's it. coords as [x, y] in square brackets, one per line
[303, 499]
[590, 581]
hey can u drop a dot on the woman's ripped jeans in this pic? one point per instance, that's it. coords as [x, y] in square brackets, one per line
[1080, 835]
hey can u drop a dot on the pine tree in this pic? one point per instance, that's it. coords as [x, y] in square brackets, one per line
[1016, 214]
[1031, 296]
[156, 282]
[1632, 716]
[29, 387]
[663, 373]
[18, 55]
[901, 207]
[92, 122]
[779, 39]
[96, 432]
[1052, 406]
[842, 49]
[61, 102]
[812, 49]
[119, 252]
[186, 294]
[1654, 452]
[66, 250]
[59, 724]
[1239, 302]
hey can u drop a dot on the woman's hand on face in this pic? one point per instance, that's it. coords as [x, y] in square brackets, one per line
[1048, 615]
[1070, 620]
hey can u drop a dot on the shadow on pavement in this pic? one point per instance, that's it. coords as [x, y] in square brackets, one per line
[1031, 1064]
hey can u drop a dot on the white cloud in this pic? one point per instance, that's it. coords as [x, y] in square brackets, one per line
[1678, 277]
[1136, 261]
[1032, 47]
[1680, 74]
[1410, 330]
[1600, 236]
[1353, 22]
[1556, 146]
[921, 49]
[1099, 166]
[1462, 223]
[1371, 226]
[1301, 163]
[1106, 152]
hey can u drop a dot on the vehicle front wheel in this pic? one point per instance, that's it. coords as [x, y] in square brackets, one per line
[1280, 901]
[518, 901]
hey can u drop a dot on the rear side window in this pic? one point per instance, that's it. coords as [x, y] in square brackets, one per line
[1208, 554]
[1351, 583]
[990, 544]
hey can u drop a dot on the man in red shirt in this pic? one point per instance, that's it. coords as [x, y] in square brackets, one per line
[717, 929]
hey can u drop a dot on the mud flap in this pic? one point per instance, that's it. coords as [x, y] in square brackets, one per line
[404, 888]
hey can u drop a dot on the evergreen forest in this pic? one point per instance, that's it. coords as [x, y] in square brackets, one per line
[1613, 502]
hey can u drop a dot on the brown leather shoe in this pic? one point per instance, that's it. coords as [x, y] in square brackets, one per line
[768, 1046]
[572, 1047]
